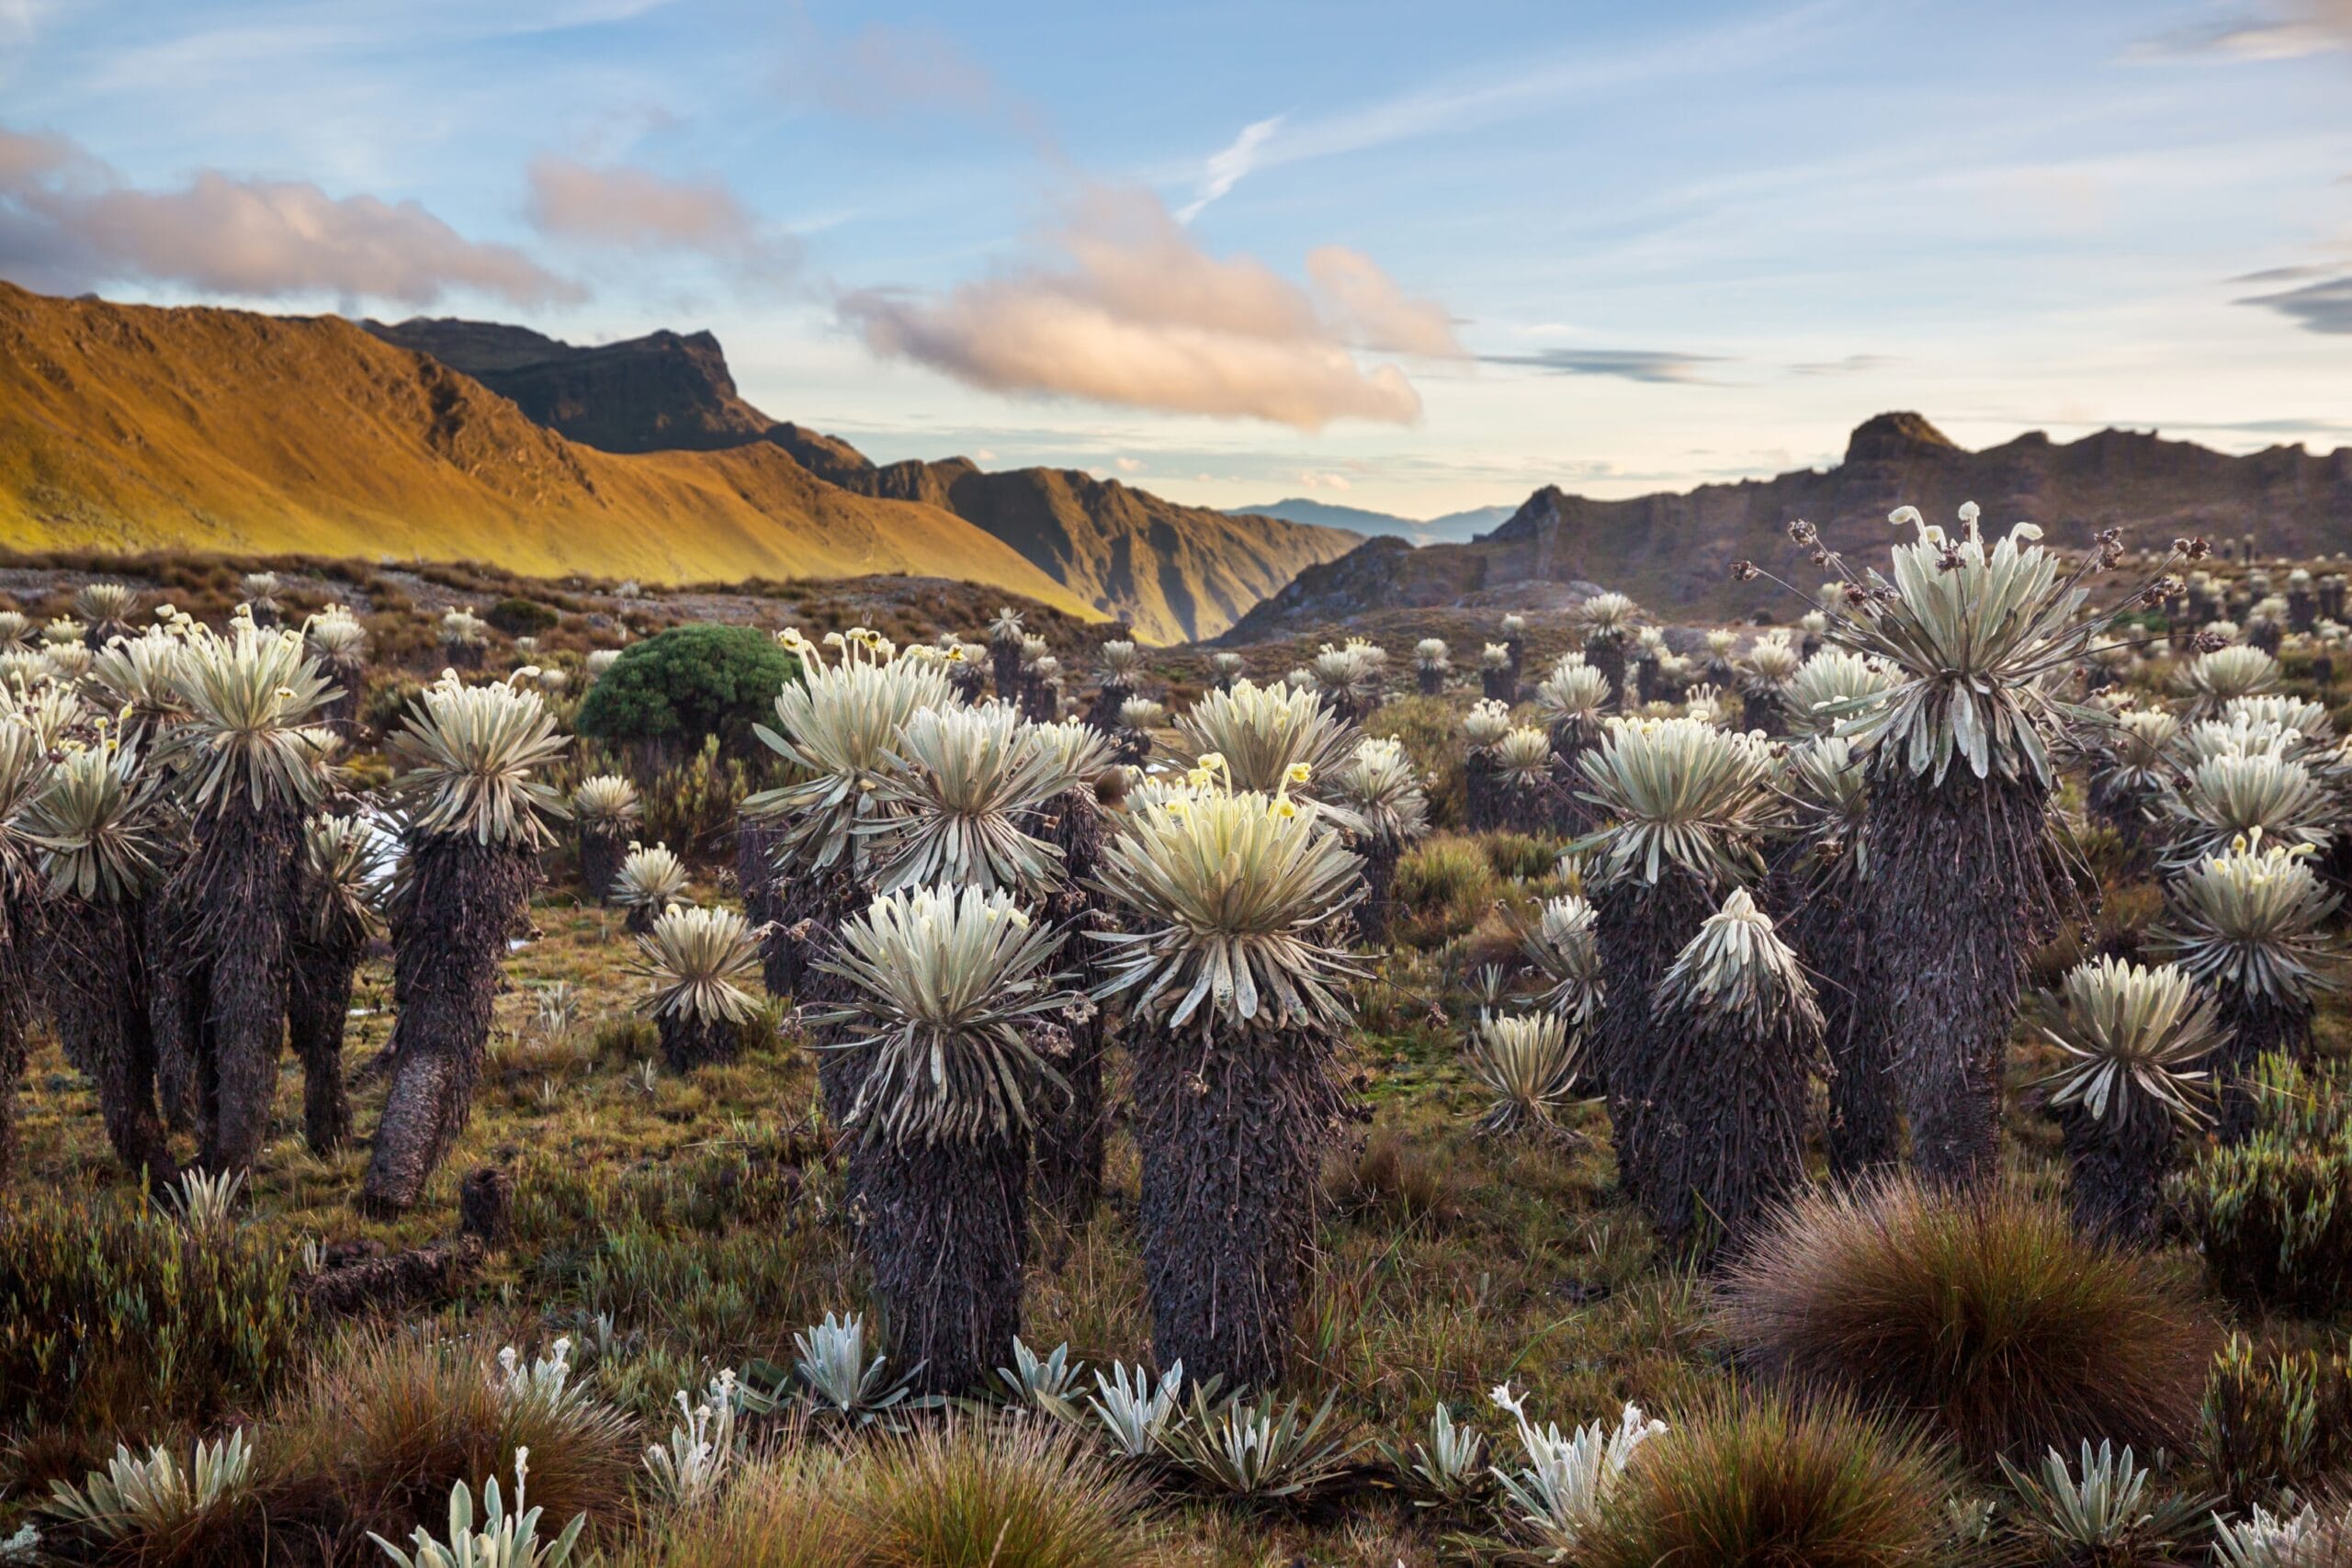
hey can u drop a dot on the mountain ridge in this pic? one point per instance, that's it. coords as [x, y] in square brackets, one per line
[1673, 550]
[1173, 572]
[1452, 525]
[191, 427]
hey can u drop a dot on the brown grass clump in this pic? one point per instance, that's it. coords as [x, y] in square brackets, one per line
[1986, 1317]
[959, 1494]
[1757, 1480]
[380, 1432]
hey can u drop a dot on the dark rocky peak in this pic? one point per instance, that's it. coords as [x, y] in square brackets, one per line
[1898, 438]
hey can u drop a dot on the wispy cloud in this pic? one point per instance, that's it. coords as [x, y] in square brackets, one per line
[1124, 307]
[884, 71]
[67, 221]
[2276, 30]
[2322, 307]
[1655, 365]
[1852, 365]
[637, 209]
[1226, 166]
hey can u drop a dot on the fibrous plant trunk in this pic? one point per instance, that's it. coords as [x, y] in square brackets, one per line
[1724, 1125]
[1500, 685]
[1607, 655]
[464, 897]
[691, 1040]
[640, 919]
[1375, 911]
[1109, 698]
[603, 847]
[1004, 658]
[1958, 897]
[1640, 927]
[762, 892]
[2257, 1026]
[1865, 1131]
[350, 678]
[1040, 701]
[1762, 710]
[96, 959]
[317, 1005]
[19, 913]
[462, 655]
[1482, 791]
[944, 1227]
[1572, 816]
[2117, 1171]
[813, 910]
[1233, 1132]
[1431, 681]
[230, 906]
[1517, 648]
[1070, 1129]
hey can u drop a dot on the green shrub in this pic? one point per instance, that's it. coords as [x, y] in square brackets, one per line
[2274, 1424]
[1520, 855]
[2273, 1215]
[522, 617]
[1986, 1317]
[678, 686]
[1443, 885]
[114, 1317]
[1754, 1480]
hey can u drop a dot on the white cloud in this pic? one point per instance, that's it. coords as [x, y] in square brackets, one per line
[1124, 307]
[67, 222]
[637, 209]
[2276, 30]
[1229, 165]
[1128, 464]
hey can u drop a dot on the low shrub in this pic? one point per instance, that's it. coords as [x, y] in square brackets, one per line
[2273, 1215]
[518, 616]
[1757, 1480]
[1443, 885]
[115, 1317]
[2274, 1424]
[670, 691]
[1986, 1317]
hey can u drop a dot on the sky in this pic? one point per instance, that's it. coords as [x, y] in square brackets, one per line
[1406, 256]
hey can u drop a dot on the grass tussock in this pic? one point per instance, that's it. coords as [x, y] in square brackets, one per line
[1759, 1480]
[1986, 1319]
[965, 1494]
[385, 1424]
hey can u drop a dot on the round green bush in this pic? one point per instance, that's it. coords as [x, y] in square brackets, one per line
[522, 617]
[673, 689]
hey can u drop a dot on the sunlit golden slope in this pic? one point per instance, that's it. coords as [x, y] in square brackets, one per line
[137, 428]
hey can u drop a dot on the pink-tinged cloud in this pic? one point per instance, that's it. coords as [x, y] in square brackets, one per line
[67, 221]
[1126, 309]
[637, 209]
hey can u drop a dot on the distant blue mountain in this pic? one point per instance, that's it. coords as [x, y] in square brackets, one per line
[1452, 529]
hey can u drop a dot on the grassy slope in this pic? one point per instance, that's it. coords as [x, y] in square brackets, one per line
[133, 427]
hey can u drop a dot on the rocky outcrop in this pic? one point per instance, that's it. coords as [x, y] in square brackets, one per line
[1173, 573]
[1674, 551]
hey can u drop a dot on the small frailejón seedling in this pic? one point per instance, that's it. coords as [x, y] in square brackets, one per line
[947, 984]
[1528, 1062]
[1236, 1011]
[698, 962]
[478, 819]
[1564, 947]
[2135, 1041]
[651, 881]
